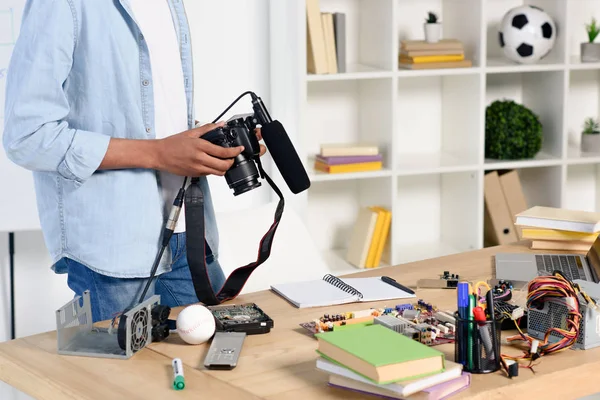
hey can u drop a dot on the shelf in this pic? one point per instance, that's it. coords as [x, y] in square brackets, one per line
[408, 73]
[583, 102]
[576, 157]
[318, 176]
[580, 13]
[540, 185]
[542, 93]
[432, 163]
[337, 264]
[497, 62]
[582, 188]
[576, 64]
[540, 160]
[355, 71]
[437, 208]
[438, 125]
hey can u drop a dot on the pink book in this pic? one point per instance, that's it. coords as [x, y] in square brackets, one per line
[338, 160]
[441, 391]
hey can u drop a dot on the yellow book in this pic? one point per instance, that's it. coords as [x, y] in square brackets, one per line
[383, 238]
[376, 236]
[341, 168]
[430, 59]
[556, 234]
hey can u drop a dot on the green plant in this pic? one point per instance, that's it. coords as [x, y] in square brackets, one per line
[512, 131]
[591, 126]
[432, 18]
[592, 30]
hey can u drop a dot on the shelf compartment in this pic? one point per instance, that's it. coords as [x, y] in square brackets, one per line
[498, 62]
[580, 13]
[542, 93]
[438, 123]
[541, 185]
[582, 188]
[436, 212]
[461, 19]
[331, 212]
[348, 112]
[583, 102]
[369, 38]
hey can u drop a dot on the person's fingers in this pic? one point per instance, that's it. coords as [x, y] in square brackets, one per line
[218, 151]
[204, 170]
[198, 132]
[258, 134]
[215, 163]
[263, 150]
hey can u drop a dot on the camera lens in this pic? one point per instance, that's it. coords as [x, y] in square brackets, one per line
[242, 176]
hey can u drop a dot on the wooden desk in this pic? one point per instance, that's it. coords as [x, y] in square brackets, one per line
[281, 364]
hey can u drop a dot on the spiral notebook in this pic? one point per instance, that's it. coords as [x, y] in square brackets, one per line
[332, 290]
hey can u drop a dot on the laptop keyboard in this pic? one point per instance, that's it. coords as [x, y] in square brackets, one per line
[570, 266]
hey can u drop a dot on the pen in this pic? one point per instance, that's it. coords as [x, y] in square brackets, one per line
[471, 331]
[393, 282]
[489, 299]
[479, 315]
[178, 379]
[463, 305]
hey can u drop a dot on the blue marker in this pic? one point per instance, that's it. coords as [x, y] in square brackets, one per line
[463, 313]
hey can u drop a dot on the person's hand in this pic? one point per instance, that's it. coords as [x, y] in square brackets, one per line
[263, 149]
[185, 154]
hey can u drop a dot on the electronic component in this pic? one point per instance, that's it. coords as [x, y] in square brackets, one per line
[224, 351]
[247, 318]
[393, 323]
[503, 310]
[445, 281]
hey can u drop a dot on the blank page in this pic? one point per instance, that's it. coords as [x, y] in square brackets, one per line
[374, 289]
[316, 293]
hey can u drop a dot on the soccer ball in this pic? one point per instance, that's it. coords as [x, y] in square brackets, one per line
[527, 34]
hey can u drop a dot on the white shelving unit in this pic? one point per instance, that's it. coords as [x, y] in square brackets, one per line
[430, 125]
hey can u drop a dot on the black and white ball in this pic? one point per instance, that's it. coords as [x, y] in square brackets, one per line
[527, 34]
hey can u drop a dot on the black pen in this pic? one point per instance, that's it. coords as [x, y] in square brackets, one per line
[393, 282]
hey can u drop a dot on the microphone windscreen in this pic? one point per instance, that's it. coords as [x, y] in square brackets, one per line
[285, 156]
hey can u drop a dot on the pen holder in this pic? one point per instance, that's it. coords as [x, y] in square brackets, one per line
[477, 345]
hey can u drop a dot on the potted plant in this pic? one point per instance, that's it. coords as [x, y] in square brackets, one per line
[590, 51]
[433, 28]
[590, 137]
[512, 131]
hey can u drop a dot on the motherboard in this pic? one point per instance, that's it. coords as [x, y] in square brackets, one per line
[420, 321]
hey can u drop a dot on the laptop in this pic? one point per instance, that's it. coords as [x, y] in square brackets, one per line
[523, 267]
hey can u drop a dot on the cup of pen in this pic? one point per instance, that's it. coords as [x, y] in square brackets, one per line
[477, 344]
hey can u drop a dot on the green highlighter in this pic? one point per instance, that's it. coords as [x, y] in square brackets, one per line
[470, 332]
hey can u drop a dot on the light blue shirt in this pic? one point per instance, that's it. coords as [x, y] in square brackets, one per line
[80, 74]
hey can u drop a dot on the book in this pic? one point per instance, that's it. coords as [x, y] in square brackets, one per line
[380, 234]
[331, 290]
[452, 371]
[431, 59]
[560, 219]
[344, 168]
[329, 36]
[444, 44]
[361, 237]
[558, 235]
[339, 26]
[315, 39]
[560, 245]
[341, 160]
[380, 354]
[437, 65]
[419, 53]
[348, 149]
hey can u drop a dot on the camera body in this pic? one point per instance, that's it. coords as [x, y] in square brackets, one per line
[239, 130]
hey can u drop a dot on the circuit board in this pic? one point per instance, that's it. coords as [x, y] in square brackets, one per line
[421, 321]
[248, 318]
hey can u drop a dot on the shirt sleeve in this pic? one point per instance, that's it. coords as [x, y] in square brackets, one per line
[36, 134]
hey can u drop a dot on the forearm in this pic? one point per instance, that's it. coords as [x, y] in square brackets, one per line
[130, 153]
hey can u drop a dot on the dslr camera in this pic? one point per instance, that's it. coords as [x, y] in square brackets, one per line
[239, 131]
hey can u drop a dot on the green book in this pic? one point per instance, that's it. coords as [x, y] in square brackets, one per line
[380, 354]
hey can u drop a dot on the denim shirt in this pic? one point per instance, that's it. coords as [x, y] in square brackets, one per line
[80, 74]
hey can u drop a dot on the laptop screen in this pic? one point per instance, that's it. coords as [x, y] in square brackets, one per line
[593, 259]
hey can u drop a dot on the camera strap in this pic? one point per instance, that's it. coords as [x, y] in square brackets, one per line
[197, 247]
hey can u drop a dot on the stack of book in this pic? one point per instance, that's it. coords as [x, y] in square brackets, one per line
[551, 228]
[378, 361]
[354, 157]
[369, 237]
[419, 54]
[326, 40]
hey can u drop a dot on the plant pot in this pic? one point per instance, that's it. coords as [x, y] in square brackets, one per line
[590, 143]
[590, 52]
[433, 32]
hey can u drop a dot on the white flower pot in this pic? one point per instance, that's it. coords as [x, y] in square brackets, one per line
[433, 32]
[590, 143]
[590, 52]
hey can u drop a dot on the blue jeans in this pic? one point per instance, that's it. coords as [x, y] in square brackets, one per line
[109, 296]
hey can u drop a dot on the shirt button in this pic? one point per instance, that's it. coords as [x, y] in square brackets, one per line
[148, 130]
[145, 82]
[141, 37]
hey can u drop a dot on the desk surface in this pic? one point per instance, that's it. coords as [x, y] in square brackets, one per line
[280, 364]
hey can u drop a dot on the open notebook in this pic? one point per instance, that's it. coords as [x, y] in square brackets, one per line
[332, 290]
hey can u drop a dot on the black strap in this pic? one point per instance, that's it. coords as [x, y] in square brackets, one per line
[197, 247]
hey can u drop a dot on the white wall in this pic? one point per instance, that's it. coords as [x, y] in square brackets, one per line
[231, 52]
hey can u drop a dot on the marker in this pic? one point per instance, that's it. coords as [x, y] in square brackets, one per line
[470, 330]
[178, 379]
[394, 283]
[463, 305]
